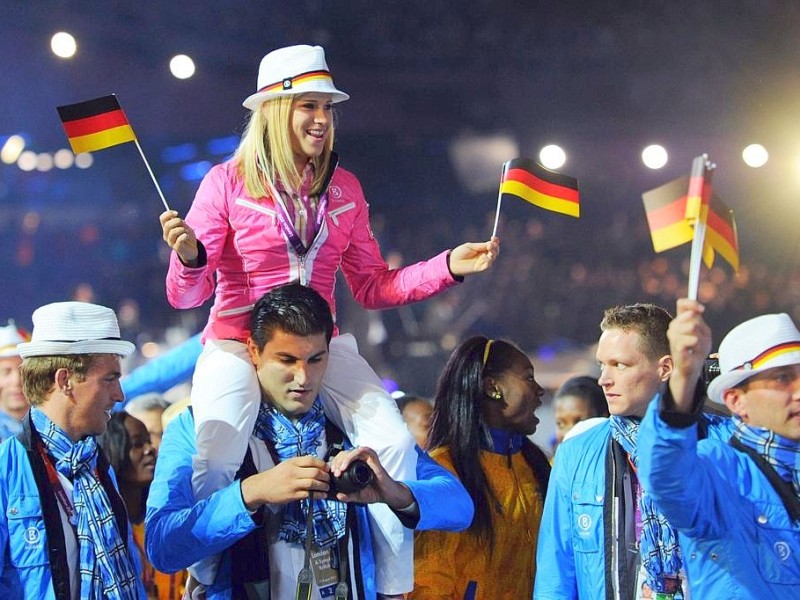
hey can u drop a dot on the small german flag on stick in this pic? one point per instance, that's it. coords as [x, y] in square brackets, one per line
[687, 210]
[526, 179]
[98, 124]
[95, 124]
[665, 207]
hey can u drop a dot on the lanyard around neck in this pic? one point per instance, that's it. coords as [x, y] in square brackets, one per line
[55, 483]
[287, 227]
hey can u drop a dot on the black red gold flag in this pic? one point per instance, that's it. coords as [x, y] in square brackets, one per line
[542, 187]
[665, 207]
[95, 124]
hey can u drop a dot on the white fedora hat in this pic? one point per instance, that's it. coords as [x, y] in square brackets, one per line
[74, 328]
[10, 336]
[293, 70]
[754, 346]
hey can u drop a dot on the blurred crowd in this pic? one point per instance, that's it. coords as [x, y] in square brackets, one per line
[554, 277]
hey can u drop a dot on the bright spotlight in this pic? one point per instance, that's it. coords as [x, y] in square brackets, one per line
[63, 45]
[63, 159]
[84, 160]
[181, 66]
[552, 157]
[44, 162]
[654, 156]
[27, 160]
[11, 150]
[755, 155]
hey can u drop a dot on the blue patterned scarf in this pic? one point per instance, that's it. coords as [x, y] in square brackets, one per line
[658, 546]
[781, 453]
[298, 439]
[106, 567]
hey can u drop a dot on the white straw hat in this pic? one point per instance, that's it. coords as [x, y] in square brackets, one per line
[754, 346]
[10, 336]
[293, 70]
[74, 328]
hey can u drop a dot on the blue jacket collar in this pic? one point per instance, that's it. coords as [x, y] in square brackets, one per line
[504, 442]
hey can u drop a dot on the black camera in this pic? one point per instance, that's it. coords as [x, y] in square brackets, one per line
[355, 477]
[710, 370]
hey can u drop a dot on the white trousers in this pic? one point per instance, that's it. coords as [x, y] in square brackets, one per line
[225, 400]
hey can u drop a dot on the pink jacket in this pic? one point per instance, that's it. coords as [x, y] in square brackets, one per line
[249, 255]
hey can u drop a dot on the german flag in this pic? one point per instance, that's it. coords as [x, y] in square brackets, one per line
[546, 189]
[95, 124]
[721, 233]
[665, 207]
[666, 214]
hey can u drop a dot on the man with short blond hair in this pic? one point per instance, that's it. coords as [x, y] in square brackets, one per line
[601, 537]
[64, 531]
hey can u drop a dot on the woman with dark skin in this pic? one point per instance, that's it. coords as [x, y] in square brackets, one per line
[483, 412]
[132, 455]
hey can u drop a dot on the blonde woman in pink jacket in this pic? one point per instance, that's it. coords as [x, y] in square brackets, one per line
[283, 210]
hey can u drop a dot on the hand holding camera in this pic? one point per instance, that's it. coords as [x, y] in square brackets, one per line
[354, 478]
[360, 469]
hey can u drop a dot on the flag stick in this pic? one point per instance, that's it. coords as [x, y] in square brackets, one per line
[497, 214]
[696, 258]
[694, 196]
[698, 187]
[499, 198]
[153, 177]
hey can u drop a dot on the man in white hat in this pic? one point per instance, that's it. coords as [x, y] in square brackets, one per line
[13, 404]
[736, 505]
[63, 527]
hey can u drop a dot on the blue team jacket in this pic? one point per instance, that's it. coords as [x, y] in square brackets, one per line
[180, 531]
[735, 533]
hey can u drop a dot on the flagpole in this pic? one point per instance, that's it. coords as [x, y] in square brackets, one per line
[153, 177]
[499, 199]
[701, 171]
[497, 214]
[696, 258]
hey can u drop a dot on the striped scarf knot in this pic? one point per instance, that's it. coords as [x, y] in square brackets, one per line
[301, 438]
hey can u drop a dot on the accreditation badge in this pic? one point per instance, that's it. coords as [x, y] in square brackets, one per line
[325, 565]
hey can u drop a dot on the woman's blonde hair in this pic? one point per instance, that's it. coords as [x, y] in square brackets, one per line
[265, 154]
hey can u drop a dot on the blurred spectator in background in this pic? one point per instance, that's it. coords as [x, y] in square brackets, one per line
[132, 455]
[580, 399]
[149, 408]
[416, 412]
[13, 404]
